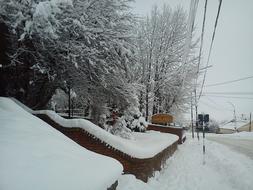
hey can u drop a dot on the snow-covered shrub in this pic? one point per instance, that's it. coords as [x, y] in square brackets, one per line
[59, 100]
[120, 129]
[102, 121]
[213, 126]
[134, 119]
[122, 124]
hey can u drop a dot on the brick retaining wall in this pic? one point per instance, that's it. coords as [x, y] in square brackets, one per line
[141, 168]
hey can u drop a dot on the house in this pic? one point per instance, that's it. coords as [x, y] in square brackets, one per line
[245, 127]
[225, 130]
[231, 127]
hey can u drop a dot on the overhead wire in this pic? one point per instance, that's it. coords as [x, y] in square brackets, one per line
[214, 107]
[202, 36]
[228, 82]
[234, 97]
[230, 93]
[211, 46]
[214, 102]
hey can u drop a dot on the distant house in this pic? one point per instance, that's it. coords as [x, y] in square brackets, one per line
[245, 127]
[231, 127]
[225, 130]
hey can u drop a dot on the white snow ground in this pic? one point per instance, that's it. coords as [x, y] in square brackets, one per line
[223, 170]
[241, 135]
[33, 155]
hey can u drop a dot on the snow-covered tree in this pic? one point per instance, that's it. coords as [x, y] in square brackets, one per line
[79, 44]
[161, 41]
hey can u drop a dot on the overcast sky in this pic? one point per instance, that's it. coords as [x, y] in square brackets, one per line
[232, 54]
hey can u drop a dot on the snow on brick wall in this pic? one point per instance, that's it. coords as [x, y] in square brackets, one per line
[166, 129]
[141, 168]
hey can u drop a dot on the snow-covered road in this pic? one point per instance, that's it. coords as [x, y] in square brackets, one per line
[242, 146]
[225, 169]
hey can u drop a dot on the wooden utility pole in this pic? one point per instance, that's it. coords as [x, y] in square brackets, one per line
[250, 122]
[192, 117]
[196, 112]
[69, 93]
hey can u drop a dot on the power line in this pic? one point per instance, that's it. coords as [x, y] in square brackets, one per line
[234, 97]
[214, 102]
[230, 93]
[228, 82]
[213, 107]
[211, 46]
[202, 36]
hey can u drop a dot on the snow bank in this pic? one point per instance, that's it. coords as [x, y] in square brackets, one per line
[241, 135]
[168, 126]
[223, 170]
[36, 156]
[143, 145]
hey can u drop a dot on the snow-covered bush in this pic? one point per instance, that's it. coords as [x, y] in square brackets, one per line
[120, 129]
[134, 120]
[213, 126]
[122, 123]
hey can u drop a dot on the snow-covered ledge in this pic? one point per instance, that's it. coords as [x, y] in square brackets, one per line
[142, 146]
[141, 156]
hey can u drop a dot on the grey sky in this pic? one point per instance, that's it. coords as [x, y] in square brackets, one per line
[232, 55]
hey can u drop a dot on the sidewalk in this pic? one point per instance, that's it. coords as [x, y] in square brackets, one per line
[224, 170]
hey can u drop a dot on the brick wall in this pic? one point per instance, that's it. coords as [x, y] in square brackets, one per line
[166, 129]
[141, 168]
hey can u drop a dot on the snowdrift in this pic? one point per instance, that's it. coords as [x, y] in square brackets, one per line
[36, 156]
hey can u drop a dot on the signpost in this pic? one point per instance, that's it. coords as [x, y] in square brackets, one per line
[203, 120]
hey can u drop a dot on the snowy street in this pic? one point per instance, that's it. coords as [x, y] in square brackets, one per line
[243, 146]
[224, 170]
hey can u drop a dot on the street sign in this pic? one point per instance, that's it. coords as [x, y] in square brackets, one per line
[206, 118]
[200, 118]
[203, 118]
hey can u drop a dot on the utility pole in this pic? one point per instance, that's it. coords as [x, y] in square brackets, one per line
[234, 114]
[196, 110]
[250, 122]
[69, 93]
[192, 117]
[204, 146]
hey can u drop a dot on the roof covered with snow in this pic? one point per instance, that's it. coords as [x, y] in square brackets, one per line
[36, 156]
[233, 125]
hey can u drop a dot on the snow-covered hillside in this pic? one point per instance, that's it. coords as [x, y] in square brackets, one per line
[36, 156]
